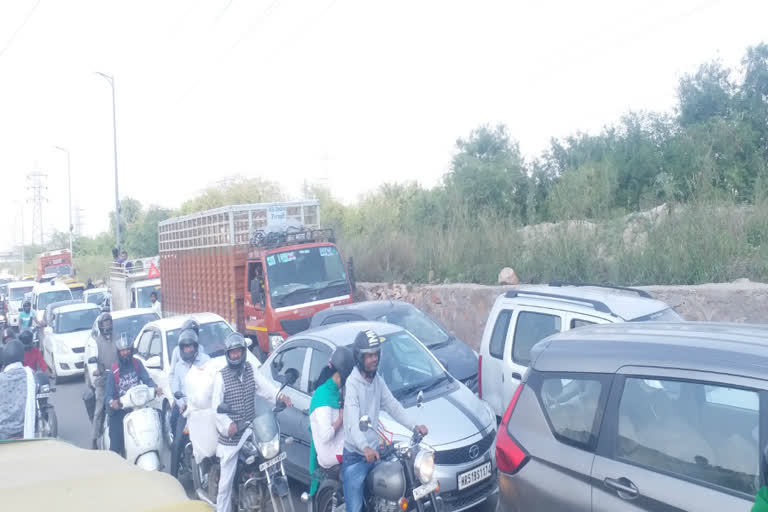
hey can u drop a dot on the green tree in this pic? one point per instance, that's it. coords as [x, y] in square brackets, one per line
[234, 190]
[707, 93]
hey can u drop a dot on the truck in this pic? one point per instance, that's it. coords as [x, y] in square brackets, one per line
[265, 267]
[133, 282]
[57, 263]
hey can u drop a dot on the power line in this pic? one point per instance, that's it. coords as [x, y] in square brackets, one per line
[20, 27]
[37, 187]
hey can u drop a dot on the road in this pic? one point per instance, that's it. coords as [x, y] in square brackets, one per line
[75, 427]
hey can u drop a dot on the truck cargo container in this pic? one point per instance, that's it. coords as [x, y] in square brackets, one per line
[266, 268]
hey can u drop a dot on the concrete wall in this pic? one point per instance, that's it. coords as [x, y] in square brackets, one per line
[463, 308]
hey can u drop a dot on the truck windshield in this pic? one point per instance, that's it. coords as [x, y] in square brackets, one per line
[71, 321]
[305, 275]
[211, 338]
[143, 296]
[62, 270]
[50, 297]
[18, 293]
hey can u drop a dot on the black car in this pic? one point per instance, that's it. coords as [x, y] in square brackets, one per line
[454, 354]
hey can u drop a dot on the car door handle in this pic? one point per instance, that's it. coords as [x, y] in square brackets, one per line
[624, 487]
[517, 376]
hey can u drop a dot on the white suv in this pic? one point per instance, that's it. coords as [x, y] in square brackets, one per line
[526, 315]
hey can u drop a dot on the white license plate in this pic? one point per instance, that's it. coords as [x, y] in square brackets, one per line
[272, 462]
[422, 492]
[473, 476]
[43, 395]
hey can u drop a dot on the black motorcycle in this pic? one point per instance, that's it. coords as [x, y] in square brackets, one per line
[402, 480]
[187, 455]
[46, 423]
[260, 476]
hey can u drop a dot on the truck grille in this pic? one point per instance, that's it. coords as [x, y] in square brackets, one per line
[461, 455]
[295, 326]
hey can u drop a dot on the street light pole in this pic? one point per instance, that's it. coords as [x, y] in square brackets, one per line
[69, 186]
[111, 81]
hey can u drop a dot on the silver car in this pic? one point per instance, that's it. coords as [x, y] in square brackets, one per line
[462, 428]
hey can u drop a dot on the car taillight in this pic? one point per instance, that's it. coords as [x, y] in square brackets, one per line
[480, 376]
[510, 456]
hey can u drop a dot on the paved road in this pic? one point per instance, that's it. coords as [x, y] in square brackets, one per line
[75, 427]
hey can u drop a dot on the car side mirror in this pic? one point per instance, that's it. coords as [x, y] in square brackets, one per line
[92, 360]
[154, 363]
[291, 376]
[224, 408]
[365, 424]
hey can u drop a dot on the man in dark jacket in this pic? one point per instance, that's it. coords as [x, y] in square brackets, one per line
[106, 357]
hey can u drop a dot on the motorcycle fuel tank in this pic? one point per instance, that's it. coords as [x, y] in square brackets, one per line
[386, 481]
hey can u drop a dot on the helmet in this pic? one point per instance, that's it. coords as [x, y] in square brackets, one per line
[343, 362]
[366, 342]
[8, 334]
[26, 303]
[13, 352]
[234, 341]
[121, 344]
[188, 337]
[26, 338]
[103, 330]
[191, 323]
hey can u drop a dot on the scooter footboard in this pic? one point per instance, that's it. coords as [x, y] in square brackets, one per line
[149, 461]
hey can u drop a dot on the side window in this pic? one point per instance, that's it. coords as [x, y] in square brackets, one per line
[290, 358]
[143, 348]
[337, 319]
[531, 328]
[319, 361]
[699, 431]
[578, 322]
[571, 404]
[156, 345]
[499, 334]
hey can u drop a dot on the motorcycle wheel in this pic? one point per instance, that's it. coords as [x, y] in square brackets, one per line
[53, 423]
[325, 501]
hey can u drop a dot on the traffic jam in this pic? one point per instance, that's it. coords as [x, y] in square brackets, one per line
[239, 361]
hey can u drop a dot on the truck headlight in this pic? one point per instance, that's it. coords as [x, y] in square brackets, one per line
[424, 465]
[275, 340]
[270, 449]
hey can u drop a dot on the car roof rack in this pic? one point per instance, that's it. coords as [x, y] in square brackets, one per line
[641, 293]
[598, 305]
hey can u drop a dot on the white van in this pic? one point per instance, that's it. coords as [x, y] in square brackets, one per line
[48, 293]
[16, 292]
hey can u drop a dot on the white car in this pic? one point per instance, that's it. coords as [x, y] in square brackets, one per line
[63, 343]
[155, 344]
[96, 295]
[16, 292]
[128, 323]
[48, 293]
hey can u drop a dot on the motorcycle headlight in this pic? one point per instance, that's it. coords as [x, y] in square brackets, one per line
[424, 465]
[270, 449]
[45, 388]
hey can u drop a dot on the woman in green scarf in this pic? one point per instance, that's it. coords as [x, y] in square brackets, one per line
[326, 415]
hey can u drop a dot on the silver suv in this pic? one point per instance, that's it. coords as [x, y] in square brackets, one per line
[634, 417]
[526, 315]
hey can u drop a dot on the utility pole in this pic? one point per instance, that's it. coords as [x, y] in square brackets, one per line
[22, 242]
[69, 186]
[37, 187]
[111, 80]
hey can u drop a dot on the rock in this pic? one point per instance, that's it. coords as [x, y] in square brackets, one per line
[742, 280]
[508, 276]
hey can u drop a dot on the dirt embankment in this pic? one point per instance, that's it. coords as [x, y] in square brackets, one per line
[463, 308]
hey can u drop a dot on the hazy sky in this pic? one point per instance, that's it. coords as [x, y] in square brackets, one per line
[351, 91]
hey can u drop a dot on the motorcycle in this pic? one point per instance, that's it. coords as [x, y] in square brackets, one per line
[46, 423]
[402, 480]
[187, 455]
[141, 429]
[260, 477]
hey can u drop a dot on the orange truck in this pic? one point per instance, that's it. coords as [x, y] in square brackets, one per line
[266, 268]
[54, 262]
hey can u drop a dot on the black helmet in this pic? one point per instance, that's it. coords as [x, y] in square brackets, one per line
[188, 337]
[234, 341]
[26, 338]
[366, 342]
[26, 303]
[121, 344]
[8, 334]
[13, 352]
[343, 362]
[104, 331]
[191, 323]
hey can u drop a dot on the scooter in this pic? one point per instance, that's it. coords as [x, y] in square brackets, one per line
[46, 423]
[401, 480]
[260, 477]
[141, 429]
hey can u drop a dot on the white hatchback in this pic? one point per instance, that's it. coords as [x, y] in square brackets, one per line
[63, 343]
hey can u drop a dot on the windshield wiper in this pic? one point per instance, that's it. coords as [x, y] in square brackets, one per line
[282, 298]
[335, 282]
[406, 391]
[444, 377]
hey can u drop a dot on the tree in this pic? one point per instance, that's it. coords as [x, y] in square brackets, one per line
[234, 190]
[706, 94]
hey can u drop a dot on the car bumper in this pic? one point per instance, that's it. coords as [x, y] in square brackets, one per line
[457, 500]
[69, 364]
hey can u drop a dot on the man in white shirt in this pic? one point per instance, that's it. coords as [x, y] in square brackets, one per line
[156, 306]
[235, 385]
[17, 395]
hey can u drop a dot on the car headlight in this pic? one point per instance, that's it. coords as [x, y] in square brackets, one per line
[424, 465]
[61, 348]
[270, 449]
[275, 340]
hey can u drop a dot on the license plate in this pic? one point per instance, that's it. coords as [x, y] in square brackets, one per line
[272, 462]
[43, 395]
[422, 492]
[473, 476]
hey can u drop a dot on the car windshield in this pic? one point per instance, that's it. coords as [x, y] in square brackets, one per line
[62, 270]
[71, 321]
[665, 315]
[130, 325]
[144, 295]
[407, 367]
[77, 293]
[50, 297]
[95, 298]
[211, 338]
[264, 423]
[419, 324]
[304, 275]
[18, 293]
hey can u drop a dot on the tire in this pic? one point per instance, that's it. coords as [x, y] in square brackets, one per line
[325, 500]
[167, 430]
[53, 423]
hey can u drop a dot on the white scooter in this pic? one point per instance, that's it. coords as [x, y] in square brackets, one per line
[142, 432]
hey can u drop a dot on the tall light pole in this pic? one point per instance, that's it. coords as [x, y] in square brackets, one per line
[111, 81]
[69, 185]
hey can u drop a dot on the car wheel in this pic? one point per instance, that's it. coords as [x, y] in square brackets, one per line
[167, 411]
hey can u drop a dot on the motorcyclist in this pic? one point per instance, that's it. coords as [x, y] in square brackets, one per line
[189, 323]
[106, 357]
[26, 318]
[127, 372]
[366, 394]
[326, 415]
[32, 357]
[236, 385]
[190, 356]
[17, 395]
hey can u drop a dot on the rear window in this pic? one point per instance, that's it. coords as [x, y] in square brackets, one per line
[18, 293]
[499, 335]
[571, 404]
[212, 336]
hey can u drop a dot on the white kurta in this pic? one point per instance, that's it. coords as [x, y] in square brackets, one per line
[328, 443]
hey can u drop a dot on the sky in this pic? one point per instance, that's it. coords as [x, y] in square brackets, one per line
[348, 93]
